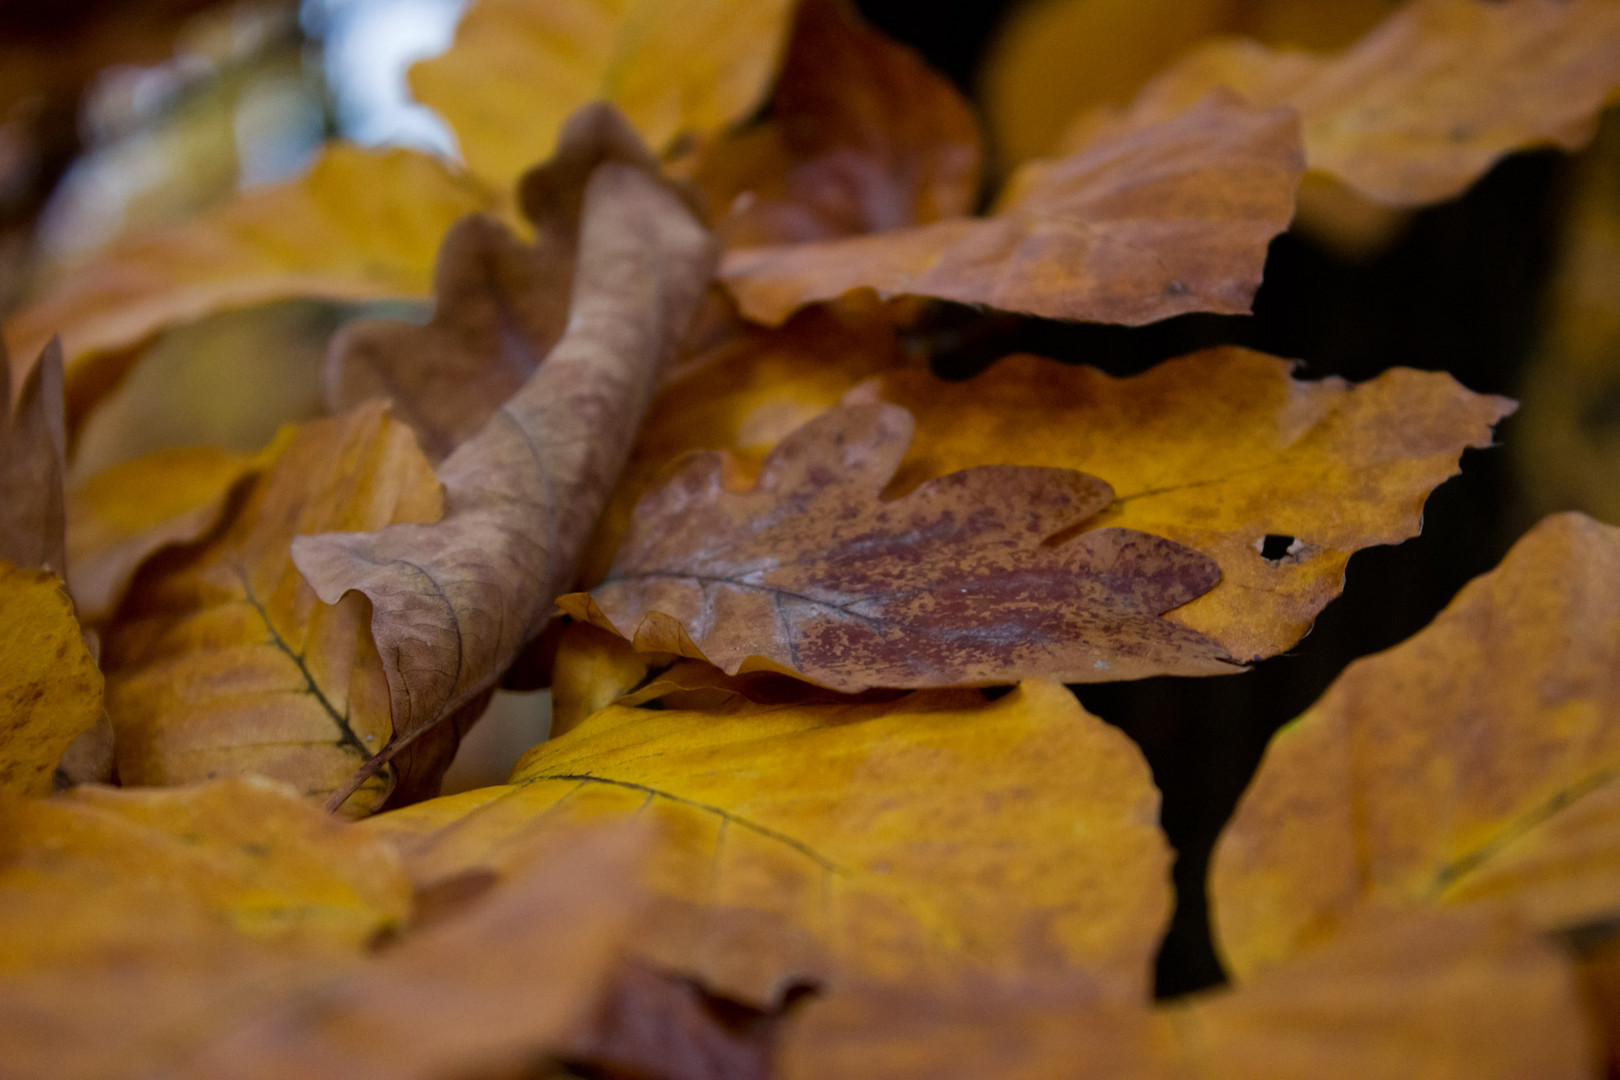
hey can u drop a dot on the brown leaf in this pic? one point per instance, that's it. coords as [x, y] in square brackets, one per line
[360, 225]
[50, 690]
[454, 602]
[1219, 450]
[501, 304]
[862, 137]
[1152, 222]
[222, 661]
[1464, 996]
[811, 574]
[33, 463]
[1429, 100]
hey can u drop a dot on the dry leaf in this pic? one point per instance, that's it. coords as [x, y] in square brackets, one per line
[519, 68]
[222, 930]
[121, 517]
[50, 690]
[1020, 834]
[1428, 101]
[1464, 996]
[592, 670]
[360, 225]
[33, 462]
[1475, 763]
[810, 573]
[501, 304]
[222, 661]
[862, 137]
[454, 602]
[1219, 451]
[1148, 223]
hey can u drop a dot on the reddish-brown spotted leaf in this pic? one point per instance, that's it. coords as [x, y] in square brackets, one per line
[1139, 226]
[862, 137]
[813, 574]
[455, 601]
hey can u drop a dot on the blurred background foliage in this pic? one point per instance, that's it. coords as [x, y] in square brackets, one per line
[121, 116]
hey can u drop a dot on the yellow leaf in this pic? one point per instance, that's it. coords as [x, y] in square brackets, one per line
[1476, 763]
[1217, 451]
[223, 661]
[360, 225]
[518, 68]
[50, 690]
[1020, 834]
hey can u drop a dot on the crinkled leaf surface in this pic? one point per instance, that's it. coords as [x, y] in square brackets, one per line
[1155, 221]
[519, 68]
[50, 690]
[1465, 995]
[1021, 834]
[1218, 451]
[33, 464]
[360, 225]
[223, 661]
[222, 930]
[455, 601]
[812, 573]
[1430, 99]
[862, 137]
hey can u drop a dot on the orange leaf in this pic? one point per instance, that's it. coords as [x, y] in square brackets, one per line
[1156, 221]
[811, 574]
[222, 661]
[862, 137]
[50, 690]
[1429, 100]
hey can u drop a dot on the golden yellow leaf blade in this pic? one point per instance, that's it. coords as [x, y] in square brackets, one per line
[50, 690]
[223, 661]
[1476, 762]
[519, 68]
[1217, 451]
[360, 225]
[1020, 834]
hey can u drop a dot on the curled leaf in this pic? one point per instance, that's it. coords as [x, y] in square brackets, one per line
[1151, 222]
[454, 602]
[33, 463]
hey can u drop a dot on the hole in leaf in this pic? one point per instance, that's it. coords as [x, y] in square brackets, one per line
[1275, 547]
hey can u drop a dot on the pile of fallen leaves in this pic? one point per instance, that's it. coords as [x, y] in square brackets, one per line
[668, 444]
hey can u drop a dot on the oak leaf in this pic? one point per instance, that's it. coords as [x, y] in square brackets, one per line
[1151, 222]
[1429, 100]
[810, 573]
[1474, 764]
[455, 601]
[223, 929]
[1465, 995]
[222, 661]
[519, 68]
[862, 137]
[1019, 834]
[1222, 451]
[50, 689]
[360, 225]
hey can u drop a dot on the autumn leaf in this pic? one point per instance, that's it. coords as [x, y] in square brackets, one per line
[1464, 995]
[1474, 764]
[1019, 834]
[33, 462]
[223, 929]
[455, 601]
[1429, 100]
[360, 225]
[1154, 222]
[519, 68]
[222, 661]
[862, 137]
[50, 690]
[812, 574]
[1278, 479]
